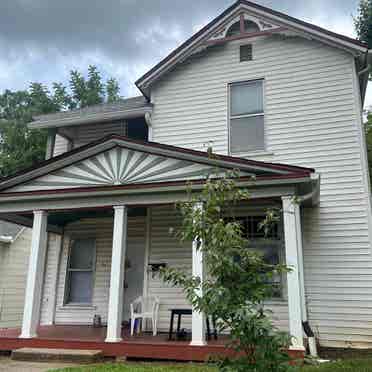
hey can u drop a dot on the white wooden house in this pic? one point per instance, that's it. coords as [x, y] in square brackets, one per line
[277, 98]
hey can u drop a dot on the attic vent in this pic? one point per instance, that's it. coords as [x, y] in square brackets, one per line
[246, 53]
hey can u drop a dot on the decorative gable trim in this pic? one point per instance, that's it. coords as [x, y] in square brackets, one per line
[264, 26]
[120, 166]
[117, 160]
[215, 30]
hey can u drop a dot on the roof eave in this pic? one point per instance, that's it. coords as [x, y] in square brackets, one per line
[90, 118]
[322, 35]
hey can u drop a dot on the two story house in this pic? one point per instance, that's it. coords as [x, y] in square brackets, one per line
[275, 97]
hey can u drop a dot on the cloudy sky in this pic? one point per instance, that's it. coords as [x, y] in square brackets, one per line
[42, 40]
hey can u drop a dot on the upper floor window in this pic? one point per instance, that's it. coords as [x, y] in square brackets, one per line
[80, 270]
[246, 117]
[249, 27]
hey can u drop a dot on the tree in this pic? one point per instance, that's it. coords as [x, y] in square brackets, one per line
[238, 280]
[21, 147]
[363, 23]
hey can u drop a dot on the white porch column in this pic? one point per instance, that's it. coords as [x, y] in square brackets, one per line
[198, 319]
[119, 246]
[292, 234]
[31, 313]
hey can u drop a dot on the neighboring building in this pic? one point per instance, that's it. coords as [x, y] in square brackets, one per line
[277, 98]
[15, 242]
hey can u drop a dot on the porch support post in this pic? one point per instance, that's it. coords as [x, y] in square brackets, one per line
[292, 234]
[198, 319]
[119, 246]
[31, 313]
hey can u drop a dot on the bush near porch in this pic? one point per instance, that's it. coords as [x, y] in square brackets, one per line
[352, 365]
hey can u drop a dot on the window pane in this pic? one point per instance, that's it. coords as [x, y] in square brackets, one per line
[247, 134]
[234, 29]
[246, 98]
[80, 290]
[82, 254]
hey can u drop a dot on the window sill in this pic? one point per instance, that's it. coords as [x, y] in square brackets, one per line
[77, 307]
[252, 154]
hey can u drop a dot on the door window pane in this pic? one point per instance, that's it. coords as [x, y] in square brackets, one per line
[81, 256]
[247, 134]
[246, 98]
[80, 287]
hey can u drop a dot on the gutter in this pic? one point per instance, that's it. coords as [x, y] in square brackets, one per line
[91, 118]
[364, 75]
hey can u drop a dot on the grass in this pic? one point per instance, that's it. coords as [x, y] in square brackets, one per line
[352, 365]
[141, 367]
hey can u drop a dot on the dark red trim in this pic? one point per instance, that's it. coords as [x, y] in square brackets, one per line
[231, 9]
[241, 24]
[244, 35]
[302, 23]
[145, 185]
[154, 145]
[178, 351]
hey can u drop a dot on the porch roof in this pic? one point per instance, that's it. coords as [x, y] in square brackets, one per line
[139, 157]
[117, 170]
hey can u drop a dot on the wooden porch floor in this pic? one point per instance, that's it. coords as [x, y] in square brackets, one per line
[88, 338]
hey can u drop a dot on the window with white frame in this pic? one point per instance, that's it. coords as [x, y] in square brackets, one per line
[80, 272]
[246, 117]
[270, 245]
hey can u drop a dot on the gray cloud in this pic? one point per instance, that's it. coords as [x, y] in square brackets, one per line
[41, 40]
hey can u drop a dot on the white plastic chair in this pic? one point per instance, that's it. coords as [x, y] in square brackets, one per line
[145, 308]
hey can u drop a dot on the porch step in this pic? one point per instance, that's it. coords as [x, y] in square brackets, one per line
[60, 355]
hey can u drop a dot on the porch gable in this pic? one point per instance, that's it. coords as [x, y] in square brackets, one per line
[118, 161]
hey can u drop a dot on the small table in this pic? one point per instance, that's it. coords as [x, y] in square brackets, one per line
[181, 312]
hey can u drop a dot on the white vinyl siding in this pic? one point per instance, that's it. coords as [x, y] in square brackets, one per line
[312, 119]
[101, 230]
[164, 248]
[13, 275]
[60, 145]
[84, 134]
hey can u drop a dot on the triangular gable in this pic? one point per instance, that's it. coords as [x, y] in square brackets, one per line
[268, 20]
[120, 166]
[116, 161]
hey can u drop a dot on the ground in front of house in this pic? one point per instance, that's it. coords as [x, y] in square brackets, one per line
[8, 365]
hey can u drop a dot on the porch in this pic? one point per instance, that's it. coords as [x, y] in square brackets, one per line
[96, 184]
[143, 346]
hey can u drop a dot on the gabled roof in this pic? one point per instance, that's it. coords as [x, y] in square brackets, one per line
[119, 161]
[281, 20]
[123, 108]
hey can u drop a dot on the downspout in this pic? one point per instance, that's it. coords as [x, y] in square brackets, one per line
[305, 323]
[148, 120]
